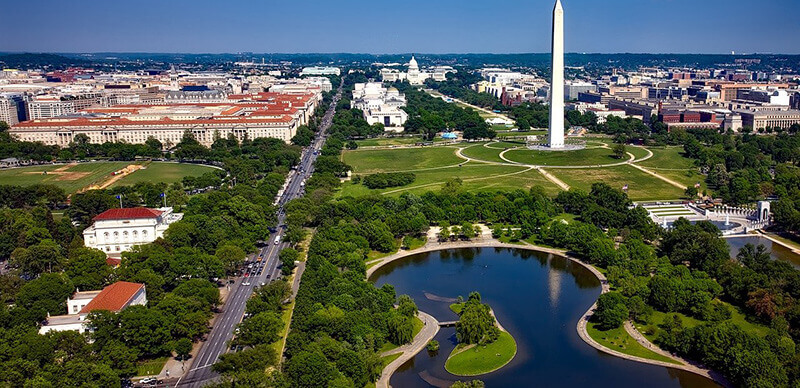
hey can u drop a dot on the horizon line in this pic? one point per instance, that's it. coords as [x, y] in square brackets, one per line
[383, 54]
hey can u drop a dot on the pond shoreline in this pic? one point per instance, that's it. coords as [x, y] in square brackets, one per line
[483, 242]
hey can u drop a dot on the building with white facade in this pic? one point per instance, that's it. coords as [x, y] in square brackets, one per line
[380, 105]
[12, 106]
[414, 75]
[321, 70]
[117, 230]
[114, 298]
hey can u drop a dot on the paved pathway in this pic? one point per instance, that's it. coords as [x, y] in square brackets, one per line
[659, 176]
[429, 329]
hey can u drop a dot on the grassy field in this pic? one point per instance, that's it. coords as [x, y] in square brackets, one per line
[73, 177]
[618, 339]
[641, 186]
[163, 172]
[401, 159]
[476, 177]
[669, 157]
[479, 360]
[501, 135]
[391, 141]
[481, 152]
[638, 152]
[585, 157]
[150, 367]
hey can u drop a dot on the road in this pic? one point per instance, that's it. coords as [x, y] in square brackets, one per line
[257, 272]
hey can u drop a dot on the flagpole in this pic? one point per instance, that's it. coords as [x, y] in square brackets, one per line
[120, 200]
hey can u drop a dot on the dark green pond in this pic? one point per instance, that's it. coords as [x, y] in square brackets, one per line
[777, 251]
[538, 298]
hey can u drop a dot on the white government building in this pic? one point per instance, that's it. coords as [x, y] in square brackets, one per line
[414, 75]
[117, 230]
[380, 105]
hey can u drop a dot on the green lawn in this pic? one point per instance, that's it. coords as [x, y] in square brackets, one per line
[501, 135]
[687, 177]
[585, 157]
[386, 360]
[638, 152]
[641, 186]
[150, 367]
[480, 360]
[480, 152]
[74, 177]
[71, 178]
[669, 157]
[618, 339]
[157, 172]
[651, 329]
[401, 159]
[388, 141]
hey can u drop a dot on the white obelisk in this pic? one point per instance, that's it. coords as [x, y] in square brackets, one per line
[557, 82]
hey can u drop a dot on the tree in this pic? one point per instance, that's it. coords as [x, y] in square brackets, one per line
[401, 328]
[231, 257]
[261, 328]
[476, 324]
[287, 257]
[310, 370]
[619, 150]
[183, 347]
[611, 311]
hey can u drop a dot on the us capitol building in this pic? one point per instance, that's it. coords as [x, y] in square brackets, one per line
[414, 75]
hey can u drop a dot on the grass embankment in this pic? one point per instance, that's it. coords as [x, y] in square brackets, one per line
[619, 340]
[473, 360]
[469, 360]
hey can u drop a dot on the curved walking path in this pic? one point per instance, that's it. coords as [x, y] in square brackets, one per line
[484, 242]
[429, 329]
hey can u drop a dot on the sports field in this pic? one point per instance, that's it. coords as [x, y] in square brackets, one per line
[76, 176]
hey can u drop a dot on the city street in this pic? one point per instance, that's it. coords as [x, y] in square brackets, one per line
[262, 272]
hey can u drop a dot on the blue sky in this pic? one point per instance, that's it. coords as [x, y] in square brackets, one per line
[381, 26]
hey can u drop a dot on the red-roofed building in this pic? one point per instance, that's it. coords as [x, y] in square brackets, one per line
[117, 230]
[115, 298]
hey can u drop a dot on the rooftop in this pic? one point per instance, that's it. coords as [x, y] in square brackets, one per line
[128, 213]
[113, 297]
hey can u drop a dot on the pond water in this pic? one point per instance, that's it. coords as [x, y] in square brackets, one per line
[777, 251]
[721, 225]
[538, 298]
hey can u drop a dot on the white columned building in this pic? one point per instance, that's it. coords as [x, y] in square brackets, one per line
[556, 133]
[117, 230]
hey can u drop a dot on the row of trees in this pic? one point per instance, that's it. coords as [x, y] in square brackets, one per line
[429, 115]
[180, 271]
[384, 180]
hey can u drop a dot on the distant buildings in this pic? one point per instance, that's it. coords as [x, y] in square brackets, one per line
[773, 119]
[414, 75]
[321, 70]
[251, 116]
[380, 105]
[114, 298]
[12, 108]
[118, 230]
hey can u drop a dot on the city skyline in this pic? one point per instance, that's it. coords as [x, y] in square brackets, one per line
[677, 26]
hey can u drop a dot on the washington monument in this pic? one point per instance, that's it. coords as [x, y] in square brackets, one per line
[557, 82]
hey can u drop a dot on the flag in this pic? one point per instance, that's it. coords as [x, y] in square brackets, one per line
[162, 195]
[625, 188]
[119, 197]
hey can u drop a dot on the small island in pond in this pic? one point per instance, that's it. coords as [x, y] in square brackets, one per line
[483, 345]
